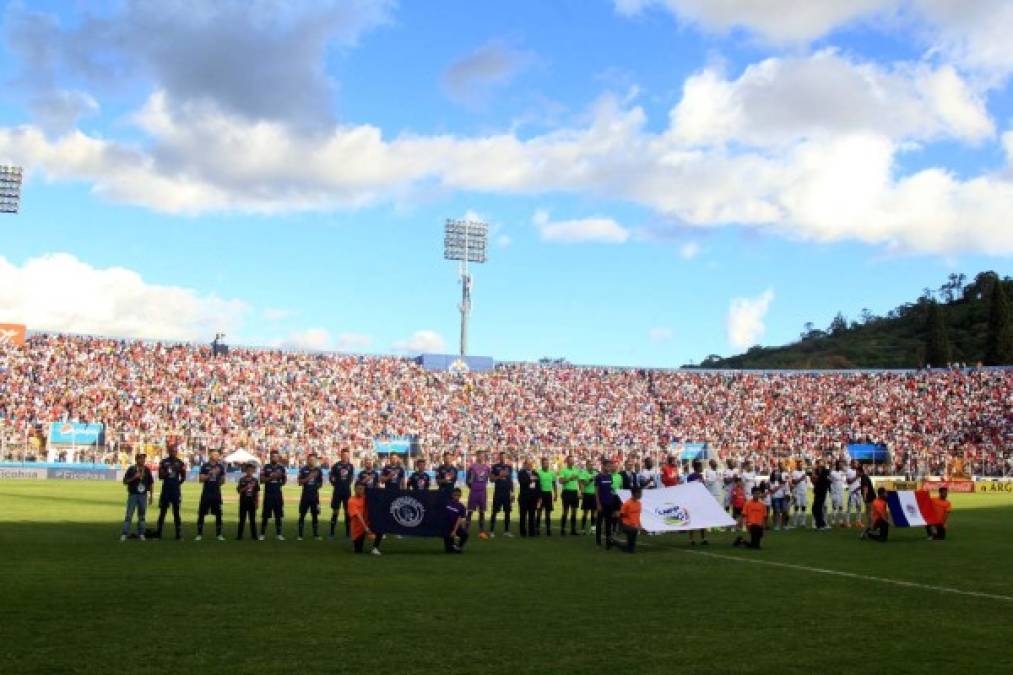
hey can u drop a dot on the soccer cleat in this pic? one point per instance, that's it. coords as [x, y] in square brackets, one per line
[123, 537]
[492, 535]
[220, 538]
[508, 535]
[260, 538]
[299, 538]
[375, 551]
[141, 537]
[198, 538]
[280, 537]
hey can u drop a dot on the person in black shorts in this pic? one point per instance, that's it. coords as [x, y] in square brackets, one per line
[527, 498]
[340, 476]
[503, 493]
[273, 477]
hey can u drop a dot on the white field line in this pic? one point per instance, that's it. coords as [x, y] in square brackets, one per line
[852, 575]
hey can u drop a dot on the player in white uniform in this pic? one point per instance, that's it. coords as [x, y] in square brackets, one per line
[799, 482]
[779, 496]
[728, 477]
[855, 502]
[748, 478]
[837, 477]
[712, 480]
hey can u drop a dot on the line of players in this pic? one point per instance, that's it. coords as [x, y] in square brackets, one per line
[587, 490]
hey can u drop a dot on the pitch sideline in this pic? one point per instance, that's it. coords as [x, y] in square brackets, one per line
[852, 575]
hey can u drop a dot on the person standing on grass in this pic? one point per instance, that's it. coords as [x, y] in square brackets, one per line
[139, 481]
[446, 474]
[879, 529]
[837, 480]
[248, 488]
[477, 480]
[588, 505]
[359, 517]
[738, 502]
[755, 515]
[273, 477]
[648, 478]
[457, 524]
[311, 477]
[629, 518]
[340, 477]
[800, 495]
[670, 472]
[547, 494]
[868, 492]
[696, 476]
[779, 496]
[369, 476]
[393, 475]
[821, 487]
[172, 473]
[502, 494]
[605, 501]
[211, 477]
[527, 499]
[855, 502]
[943, 507]
[569, 478]
[419, 480]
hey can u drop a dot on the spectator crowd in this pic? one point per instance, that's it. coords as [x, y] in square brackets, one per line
[263, 400]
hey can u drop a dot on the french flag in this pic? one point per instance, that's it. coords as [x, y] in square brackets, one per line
[911, 508]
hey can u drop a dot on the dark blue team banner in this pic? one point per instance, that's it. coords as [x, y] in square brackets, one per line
[415, 514]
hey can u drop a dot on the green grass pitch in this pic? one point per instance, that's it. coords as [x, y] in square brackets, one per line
[76, 600]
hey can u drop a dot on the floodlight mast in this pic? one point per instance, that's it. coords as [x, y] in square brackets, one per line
[10, 188]
[465, 241]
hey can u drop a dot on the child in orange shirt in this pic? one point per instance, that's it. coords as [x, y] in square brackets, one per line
[629, 517]
[359, 517]
[754, 512]
[880, 519]
[943, 507]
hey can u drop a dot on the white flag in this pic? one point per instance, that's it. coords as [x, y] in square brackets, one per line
[676, 509]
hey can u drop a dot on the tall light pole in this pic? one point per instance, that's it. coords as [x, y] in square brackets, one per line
[465, 241]
[10, 188]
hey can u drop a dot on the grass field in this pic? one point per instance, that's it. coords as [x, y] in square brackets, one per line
[76, 600]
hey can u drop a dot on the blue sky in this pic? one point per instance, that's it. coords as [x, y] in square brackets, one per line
[664, 179]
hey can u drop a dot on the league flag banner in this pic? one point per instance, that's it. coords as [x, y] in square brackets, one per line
[12, 334]
[911, 508]
[414, 514]
[76, 433]
[677, 509]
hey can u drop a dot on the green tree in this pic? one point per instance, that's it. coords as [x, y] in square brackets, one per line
[999, 341]
[937, 343]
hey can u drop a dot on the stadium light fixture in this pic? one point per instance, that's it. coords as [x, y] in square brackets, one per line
[465, 241]
[10, 188]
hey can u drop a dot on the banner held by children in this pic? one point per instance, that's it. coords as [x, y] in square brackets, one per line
[680, 508]
[911, 508]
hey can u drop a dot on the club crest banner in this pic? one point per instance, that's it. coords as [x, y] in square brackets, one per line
[411, 513]
[677, 509]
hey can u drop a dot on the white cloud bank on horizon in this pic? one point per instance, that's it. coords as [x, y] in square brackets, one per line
[744, 323]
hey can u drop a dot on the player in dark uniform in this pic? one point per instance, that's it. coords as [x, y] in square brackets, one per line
[368, 477]
[212, 475]
[419, 481]
[248, 488]
[341, 475]
[502, 493]
[311, 478]
[605, 502]
[273, 476]
[172, 473]
[446, 474]
[393, 475]
[527, 499]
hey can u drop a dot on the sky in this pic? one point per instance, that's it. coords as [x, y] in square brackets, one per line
[663, 179]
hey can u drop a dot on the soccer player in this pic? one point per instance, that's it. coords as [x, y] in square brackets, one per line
[273, 477]
[712, 480]
[211, 477]
[502, 494]
[879, 530]
[340, 476]
[457, 524]
[748, 477]
[696, 476]
[446, 474]
[527, 499]
[821, 486]
[837, 479]
[943, 507]
[728, 475]
[393, 475]
[139, 481]
[649, 478]
[248, 488]
[855, 502]
[360, 521]
[605, 498]
[419, 480]
[369, 476]
[755, 513]
[778, 489]
[588, 501]
[172, 473]
[798, 481]
[670, 472]
[569, 478]
[311, 477]
[629, 517]
[547, 494]
[477, 480]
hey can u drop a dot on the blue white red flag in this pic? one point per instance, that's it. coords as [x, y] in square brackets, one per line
[911, 508]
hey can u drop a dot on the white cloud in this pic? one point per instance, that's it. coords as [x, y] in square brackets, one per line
[352, 342]
[597, 229]
[744, 323]
[689, 250]
[422, 342]
[974, 35]
[58, 292]
[276, 314]
[311, 339]
[773, 20]
[660, 334]
[471, 77]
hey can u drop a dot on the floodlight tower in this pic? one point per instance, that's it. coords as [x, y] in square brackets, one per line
[10, 188]
[465, 241]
